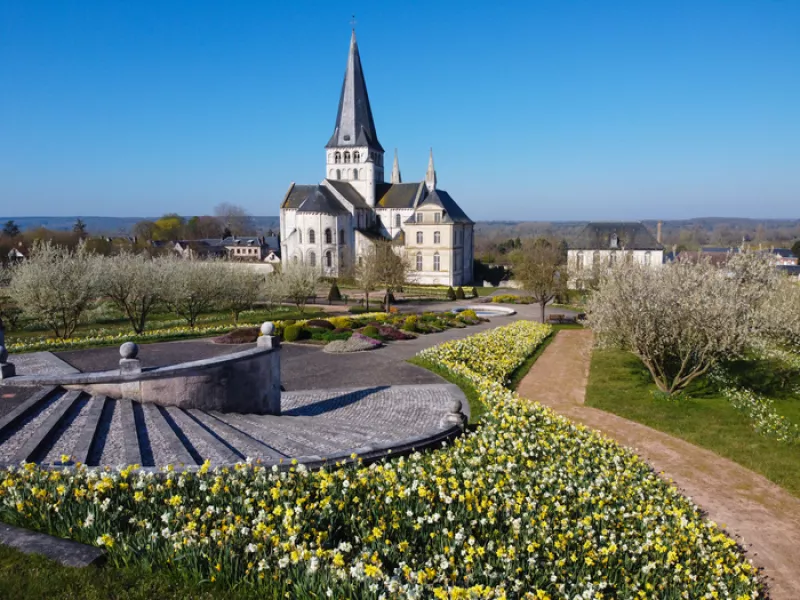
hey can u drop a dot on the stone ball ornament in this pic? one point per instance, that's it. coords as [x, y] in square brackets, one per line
[129, 350]
[3, 354]
[267, 328]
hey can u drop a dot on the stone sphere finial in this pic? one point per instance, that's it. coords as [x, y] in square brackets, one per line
[3, 354]
[267, 328]
[129, 350]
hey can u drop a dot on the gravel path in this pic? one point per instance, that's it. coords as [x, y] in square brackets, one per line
[763, 515]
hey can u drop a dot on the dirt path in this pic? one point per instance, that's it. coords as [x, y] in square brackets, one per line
[764, 517]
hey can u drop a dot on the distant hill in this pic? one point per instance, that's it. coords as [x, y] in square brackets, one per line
[108, 225]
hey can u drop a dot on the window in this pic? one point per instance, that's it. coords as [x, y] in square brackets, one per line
[648, 258]
[419, 261]
[397, 221]
[312, 259]
[328, 236]
[346, 157]
[338, 174]
[579, 261]
[612, 258]
[355, 173]
[436, 217]
[337, 158]
[419, 237]
[312, 237]
[420, 218]
[614, 241]
[341, 237]
[437, 237]
[436, 262]
[295, 260]
[356, 156]
[328, 259]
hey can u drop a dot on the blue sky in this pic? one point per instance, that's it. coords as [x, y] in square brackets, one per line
[546, 110]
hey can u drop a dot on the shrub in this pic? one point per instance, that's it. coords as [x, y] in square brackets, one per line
[411, 323]
[460, 293]
[292, 333]
[340, 322]
[342, 330]
[334, 295]
[468, 314]
[474, 292]
[321, 323]
[451, 293]
[390, 333]
[356, 310]
[287, 322]
[370, 331]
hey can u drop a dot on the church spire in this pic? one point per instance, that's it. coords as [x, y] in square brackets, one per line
[430, 176]
[354, 123]
[396, 169]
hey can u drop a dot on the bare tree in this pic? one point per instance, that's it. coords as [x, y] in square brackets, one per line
[192, 287]
[135, 284]
[55, 286]
[235, 218]
[239, 289]
[682, 318]
[542, 270]
[300, 282]
[273, 290]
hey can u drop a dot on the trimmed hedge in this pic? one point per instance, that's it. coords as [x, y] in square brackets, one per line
[292, 333]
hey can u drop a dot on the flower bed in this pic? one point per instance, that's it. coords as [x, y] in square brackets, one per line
[356, 343]
[528, 505]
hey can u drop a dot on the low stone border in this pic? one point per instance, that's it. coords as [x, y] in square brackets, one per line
[502, 311]
[65, 552]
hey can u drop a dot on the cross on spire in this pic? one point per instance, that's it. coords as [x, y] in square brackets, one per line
[353, 22]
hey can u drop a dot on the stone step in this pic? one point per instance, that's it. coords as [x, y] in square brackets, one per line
[246, 445]
[11, 419]
[278, 438]
[316, 430]
[208, 446]
[86, 436]
[130, 436]
[62, 438]
[166, 443]
[42, 436]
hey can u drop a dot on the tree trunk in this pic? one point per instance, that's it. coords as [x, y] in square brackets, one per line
[543, 304]
[366, 303]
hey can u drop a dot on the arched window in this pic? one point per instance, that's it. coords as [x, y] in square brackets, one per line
[341, 237]
[312, 259]
[648, 257]
[312, 237]
[346, 156]
[355, 173]
[437, 237]
[338, 174]
[419, 261]
[397, 221]
[337, 158]
[295, 259]
[356, 156]
[436, 262]
[328, 259]
[579, 261]
[328, 236]
[419, 237]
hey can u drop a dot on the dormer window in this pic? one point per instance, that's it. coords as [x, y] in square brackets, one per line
[347, 138]
[614, 243]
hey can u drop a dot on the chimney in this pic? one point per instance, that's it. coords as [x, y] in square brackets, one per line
[658, 231]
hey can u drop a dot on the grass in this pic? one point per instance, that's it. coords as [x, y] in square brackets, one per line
[573, 307]
[620, 384]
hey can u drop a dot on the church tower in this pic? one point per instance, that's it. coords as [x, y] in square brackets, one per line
[354, 154]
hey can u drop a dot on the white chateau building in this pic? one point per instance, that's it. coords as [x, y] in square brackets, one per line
[602, 244]
[332, 223]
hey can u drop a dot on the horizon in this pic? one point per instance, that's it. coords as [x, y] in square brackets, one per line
[614, 112]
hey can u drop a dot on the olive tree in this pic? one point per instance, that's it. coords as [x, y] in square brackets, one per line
[682, 318]
[55, 286]
[239, 290]
[134, 283]
[300, 282]
[192, 287]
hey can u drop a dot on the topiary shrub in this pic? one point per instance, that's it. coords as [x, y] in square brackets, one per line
[334, 295]
[292, 333]
[474, 292]
[460, 295]
[288, 322]
[321, 323]
[411, 323]
[371, 331]
[451, 293]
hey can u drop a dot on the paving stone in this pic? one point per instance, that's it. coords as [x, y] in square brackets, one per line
[66, 552]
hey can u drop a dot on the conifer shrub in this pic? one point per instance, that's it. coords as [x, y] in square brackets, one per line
[451, 293]
[334, 295]
[460, 293]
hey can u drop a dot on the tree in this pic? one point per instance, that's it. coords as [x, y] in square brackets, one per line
[79, 228]
[203, 227]
[11, 229]
[300, 283]
[55, 286]
[539, 267]
[239, 289]
[273, 290]
[381, 267]
[145, 230]
[192, 287]
[134, 283]
[796, 248]
[235, 219]
[682, 318]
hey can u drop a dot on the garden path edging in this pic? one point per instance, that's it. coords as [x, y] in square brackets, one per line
[65, 552]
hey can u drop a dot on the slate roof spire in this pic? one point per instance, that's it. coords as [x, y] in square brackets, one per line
[396, 169]
[430, 176]
[354, 123]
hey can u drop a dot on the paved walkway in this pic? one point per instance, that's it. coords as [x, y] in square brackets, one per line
[765, 517]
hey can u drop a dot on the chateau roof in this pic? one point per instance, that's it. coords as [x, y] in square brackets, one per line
[453, 212]
[396, 195]
[631, 235]
[312, 198]
[354, 123]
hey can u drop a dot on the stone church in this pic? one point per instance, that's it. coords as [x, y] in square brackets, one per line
[330, 224]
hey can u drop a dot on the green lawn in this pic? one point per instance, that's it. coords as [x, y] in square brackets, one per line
[619, 383]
